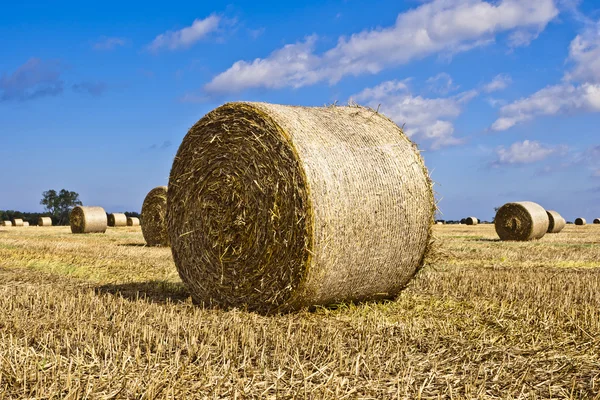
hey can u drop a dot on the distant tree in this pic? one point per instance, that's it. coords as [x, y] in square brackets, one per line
[60, 204]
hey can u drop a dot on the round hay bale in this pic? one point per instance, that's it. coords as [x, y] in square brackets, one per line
[439, 223]
[17, 222]
[154, 217]
[133, 221]
[597, 221]
[45, 221]
[25, 223]
[117, 219]
[471, 221]
[580, 221]
[88, 220]
[556, 223]
[6, 223]
[273, 208]
[521, 221]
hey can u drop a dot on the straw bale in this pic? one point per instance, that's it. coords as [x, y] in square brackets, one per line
[521, 221]
[45, 221]
[556, 222]
[580, 221]
[117, 219]
[154, 217]
[133, 221]
[88, 220]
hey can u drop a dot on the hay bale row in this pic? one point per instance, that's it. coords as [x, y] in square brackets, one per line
[88, 220]
[556, 223]
[154, 217]
[133, 221]
[17, 222]
[44, 221]
[580, 221]
[117, 219]
[273, 208]
[521, 221]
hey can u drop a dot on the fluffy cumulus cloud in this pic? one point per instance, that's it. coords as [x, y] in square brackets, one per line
[500, 82]
[424, 119]
[186, 37]
[440, 26]
[34, 79]
[525, 152]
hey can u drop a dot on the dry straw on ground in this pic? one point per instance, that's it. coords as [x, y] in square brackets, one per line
[117, 219]
[17, 222]
[154, 217]
[45, 221]
[556, 222]
[471, 221]
[88, 220]
[580, 221]
[276, 207]
[133, 221]
[597, 221]
[521, 221]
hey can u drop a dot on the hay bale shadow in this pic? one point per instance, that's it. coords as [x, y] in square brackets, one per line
[486, 240]
[153, 291]
[134, 245]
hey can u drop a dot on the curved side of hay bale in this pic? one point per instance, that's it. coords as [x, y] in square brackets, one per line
[597, 221]
[117, 219]
[154, 217]
[556, 223]
[25, 223]
[88, 220]
[6, 223]
[17, 222]
[133, 221]
[521, 221]
[45, 221]
[275, 207]
[580, 221]
[471, 221]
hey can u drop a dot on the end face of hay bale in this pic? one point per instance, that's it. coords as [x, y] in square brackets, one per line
[117, 219]
[154, 217]
[45, 221]
[471, 221]
[273, 208]
[597, 221]
[133, 221]
[580, 221]
[88, 220]
[556, 223]
[17, 222]
[521, 221]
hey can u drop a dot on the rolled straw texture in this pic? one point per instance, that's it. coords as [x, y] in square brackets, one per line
[556, 222]
[521, 221]
[154, 217]
[133, 221]
[117, 219]
[580, 221]
[274, 208]
[597, 221]
[88, 220]
[45, 221]
[471, 221]
[17, 222]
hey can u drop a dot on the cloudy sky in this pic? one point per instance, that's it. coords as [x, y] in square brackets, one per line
[502, 96]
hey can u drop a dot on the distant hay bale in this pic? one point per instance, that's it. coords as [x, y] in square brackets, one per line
[154, 217]
[521, 221]
[117, 219]
[25, 223]
[6, 223]
[471, 221]
[133, 221]
[17, 222]
[580, 221]
[45, 221]
[88, 220]
[273, 208]
[597, 221]
[556, 223]
[439, 223]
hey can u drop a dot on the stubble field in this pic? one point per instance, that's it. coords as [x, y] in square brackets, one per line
[103, 316]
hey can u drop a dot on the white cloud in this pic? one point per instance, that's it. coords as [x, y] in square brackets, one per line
[187, 36]
[442, 83]
[525, 152]
[423, 119]
[584, 52]
[109, 43]
[437, 27]
[500, 82]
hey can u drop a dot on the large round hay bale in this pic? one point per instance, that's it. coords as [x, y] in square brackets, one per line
[154, 217]
[117, 219]
[597, 221]
[6, 223]
[133, 221]
[17, 222]
[521, 221]
[25, 223]
[471, 221]
[88, 220]
[45, 221]
[556, 223]
[580, 221]
[275, 207]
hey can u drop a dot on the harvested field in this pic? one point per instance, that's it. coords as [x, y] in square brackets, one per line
[104, 316]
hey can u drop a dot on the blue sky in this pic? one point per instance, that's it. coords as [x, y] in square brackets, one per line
[503, 96]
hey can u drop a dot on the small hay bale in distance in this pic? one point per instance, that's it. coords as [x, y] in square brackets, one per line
[6, 223]
[471, 221]
[25, 223]
[274, 208]
[154, 217]
[117, 219]
[597, 221]
[133, 221]
[88, 220]
[521, 221]
[556, 223]
[580, 221]
[17, 222]
[44, 221]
